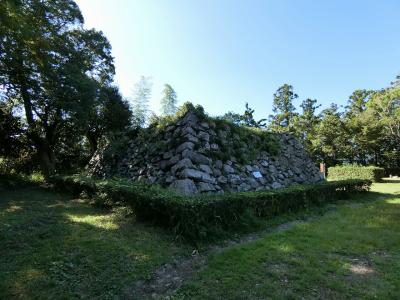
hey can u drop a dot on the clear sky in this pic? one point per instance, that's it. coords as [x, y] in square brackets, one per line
[222, 53]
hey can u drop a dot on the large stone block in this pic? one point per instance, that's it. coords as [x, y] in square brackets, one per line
[205, 168]
[185, 186]
[205, 187]
[196, 157]
[185, 146]
[228, 169]
[197, 175]
[188, 130]
[182, 164]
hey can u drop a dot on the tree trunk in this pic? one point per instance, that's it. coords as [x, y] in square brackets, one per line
[44, 150]
[46, 159]
[93, 141]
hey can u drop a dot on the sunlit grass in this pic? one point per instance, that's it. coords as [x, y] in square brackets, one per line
[55, 247]
[352, 252]
[103, 222]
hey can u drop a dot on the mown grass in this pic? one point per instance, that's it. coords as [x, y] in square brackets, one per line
[56, 247]
[353, 252]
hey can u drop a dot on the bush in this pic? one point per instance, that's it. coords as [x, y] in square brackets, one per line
[375, 174]
[392, 171]
[24, 163]
[203, 217]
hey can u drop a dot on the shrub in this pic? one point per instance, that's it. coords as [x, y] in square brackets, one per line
[392, 171]
[375, 174]
[15, 180]
[259, 139]
[203, 217]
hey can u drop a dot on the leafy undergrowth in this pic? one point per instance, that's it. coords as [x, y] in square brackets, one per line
[350, 253]
[53, 246]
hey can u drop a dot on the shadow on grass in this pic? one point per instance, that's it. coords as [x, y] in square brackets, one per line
[53, 246]
[350, 254]
[391, 180]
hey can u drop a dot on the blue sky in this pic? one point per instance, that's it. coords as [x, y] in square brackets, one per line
[222, 53]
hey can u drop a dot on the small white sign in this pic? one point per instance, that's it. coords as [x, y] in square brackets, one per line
[257, 174]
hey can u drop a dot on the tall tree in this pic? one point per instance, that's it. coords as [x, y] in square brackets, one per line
[330, 142]
[360, 133]
[11, 130]
[110, 116]
[305, 124]
[284, 109]
[140, 101]
[385, 105]
[169, 101]
[357, 102]
[52, 66]
[384, 109]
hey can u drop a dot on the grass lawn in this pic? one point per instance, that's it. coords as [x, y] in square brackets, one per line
[352, 252]
[55, 247]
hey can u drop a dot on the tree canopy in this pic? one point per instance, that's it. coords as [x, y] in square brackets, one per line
[53, 67]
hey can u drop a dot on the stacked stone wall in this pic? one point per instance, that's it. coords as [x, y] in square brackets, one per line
[194, 155]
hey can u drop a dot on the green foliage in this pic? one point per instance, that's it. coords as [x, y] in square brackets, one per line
[243, 136]
[385, 106]
[11, 175]
[53, 67]
[23, 164]
[140, 102]
[169, 101]
[10, 130]
[392, 172]
[328, 143]
[259, 139]
[109, 116]
[366, 132]
[204, 217]
[375, 174]
[284, 110]
[305, 125]
[160, 123]
[246, 119]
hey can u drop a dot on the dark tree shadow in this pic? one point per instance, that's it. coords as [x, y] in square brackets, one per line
[54, 246]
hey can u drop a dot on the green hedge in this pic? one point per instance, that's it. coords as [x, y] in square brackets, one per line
[375, 174]
[202, 217]
[392, 171]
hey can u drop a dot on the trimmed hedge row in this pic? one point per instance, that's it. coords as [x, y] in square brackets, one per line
[375, 174]
[205, 216]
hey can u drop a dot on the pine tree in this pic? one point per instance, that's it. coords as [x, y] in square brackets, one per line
[305, 124]
[284, 110]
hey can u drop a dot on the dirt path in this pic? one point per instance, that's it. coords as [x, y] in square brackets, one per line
[170, 277]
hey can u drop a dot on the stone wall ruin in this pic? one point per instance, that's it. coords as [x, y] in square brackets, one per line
[197, 154]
